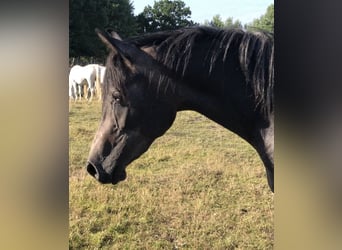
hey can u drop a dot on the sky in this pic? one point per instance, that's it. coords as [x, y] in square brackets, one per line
[244, 10]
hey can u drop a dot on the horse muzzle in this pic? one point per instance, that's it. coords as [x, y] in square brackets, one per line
[119, 174]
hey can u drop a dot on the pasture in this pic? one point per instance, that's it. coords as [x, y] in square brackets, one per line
[198, 187]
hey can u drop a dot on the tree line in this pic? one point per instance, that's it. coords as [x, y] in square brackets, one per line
[86, 15]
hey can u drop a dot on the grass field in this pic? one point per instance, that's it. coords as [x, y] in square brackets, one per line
[198, 187]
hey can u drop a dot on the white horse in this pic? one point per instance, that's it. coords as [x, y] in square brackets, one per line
[101, 70]
[80, 76]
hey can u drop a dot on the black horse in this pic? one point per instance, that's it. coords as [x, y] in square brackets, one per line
[226, 75]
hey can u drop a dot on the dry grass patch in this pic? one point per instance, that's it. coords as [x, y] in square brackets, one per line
[198, 187]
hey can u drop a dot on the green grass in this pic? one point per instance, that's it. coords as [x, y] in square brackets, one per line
[198, 187]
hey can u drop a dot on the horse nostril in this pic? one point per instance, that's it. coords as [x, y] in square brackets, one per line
[92, 170]
[98, 173]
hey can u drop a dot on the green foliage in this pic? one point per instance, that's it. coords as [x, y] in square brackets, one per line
[233, 24]
[164, 15]
[86, 15]
[121, 18]
[219, 23]
[265, 22]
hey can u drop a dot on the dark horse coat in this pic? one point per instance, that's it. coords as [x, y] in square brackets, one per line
[226, 75]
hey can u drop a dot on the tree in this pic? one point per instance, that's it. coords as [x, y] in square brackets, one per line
[82, 18]
[218, 23]
[121, 18]
[265, 22]
[230, 23]
[164, 15]
[86, 15]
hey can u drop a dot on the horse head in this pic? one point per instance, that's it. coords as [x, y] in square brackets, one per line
[132, 116]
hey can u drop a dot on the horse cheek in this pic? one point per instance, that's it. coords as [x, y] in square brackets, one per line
[160, 121]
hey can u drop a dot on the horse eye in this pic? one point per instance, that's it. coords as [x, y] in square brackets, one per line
[117, 96]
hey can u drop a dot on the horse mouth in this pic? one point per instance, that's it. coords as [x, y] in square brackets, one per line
[118, 176]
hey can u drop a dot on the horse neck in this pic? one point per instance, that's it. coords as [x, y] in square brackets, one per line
[210, 106]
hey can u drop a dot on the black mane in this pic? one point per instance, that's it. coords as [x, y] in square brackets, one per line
[256, 51]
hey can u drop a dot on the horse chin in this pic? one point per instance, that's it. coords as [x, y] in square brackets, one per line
[119, 176]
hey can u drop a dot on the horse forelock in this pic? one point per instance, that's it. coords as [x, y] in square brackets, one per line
[115, 75]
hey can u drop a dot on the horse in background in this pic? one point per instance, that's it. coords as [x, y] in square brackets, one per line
[100, 73]
[83, 77]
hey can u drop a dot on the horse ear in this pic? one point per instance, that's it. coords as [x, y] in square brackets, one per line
[113, 34]
[129, 51]
[115, 43]
[134, 57]
[106, 39]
